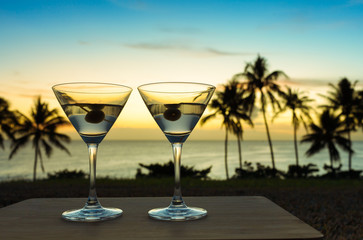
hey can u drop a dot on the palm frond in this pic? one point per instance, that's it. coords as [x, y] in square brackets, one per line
[334, 153]
[273, 101]
[207, 118]
[315, 147]
[47, 147]
[275, 75]
[17, 144]
[59, 136]
[59, 145]
[344, 143]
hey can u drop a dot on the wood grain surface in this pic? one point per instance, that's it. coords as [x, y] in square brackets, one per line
[246, 217]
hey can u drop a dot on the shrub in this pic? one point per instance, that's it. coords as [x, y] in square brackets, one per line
[158, 170]
[303, 171]
[261, 171]
[66, 174]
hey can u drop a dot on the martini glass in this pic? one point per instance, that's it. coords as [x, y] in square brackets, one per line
[176, 108]
[92, 108]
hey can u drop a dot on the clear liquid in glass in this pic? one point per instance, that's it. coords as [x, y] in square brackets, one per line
[177, 121]
[92, 121]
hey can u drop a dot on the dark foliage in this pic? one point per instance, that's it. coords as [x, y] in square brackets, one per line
[303, 171]
[353, 174]
[261, 171]
[157, 170]
[66, 174]
[336, 173]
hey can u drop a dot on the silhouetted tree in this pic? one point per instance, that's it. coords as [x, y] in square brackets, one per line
[239, 107]
[238, 131]
[40, 129]
[229, 104]
[7, 121]
[358, 109]
[263, 86]
[298, 104]
[343, 99]
[329, 133]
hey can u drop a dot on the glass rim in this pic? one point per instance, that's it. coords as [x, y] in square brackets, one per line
[208, 86]
[56, 86]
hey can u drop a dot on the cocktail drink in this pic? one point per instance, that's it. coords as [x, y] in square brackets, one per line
[176, 107]
[92, 108]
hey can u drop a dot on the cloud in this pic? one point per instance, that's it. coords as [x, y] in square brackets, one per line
[315, 83]
[16, 73]
[297, 82]
[303, 27]
[22, 82]
[224, 53]
[186, 30]
[27, 89]
[156, 46]
[301, 23]
[80, 42]
[186, 48]
[34, 96]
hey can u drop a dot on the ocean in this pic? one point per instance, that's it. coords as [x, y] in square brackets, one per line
[120, 159]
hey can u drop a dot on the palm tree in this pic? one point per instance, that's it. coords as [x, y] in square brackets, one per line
[228, 104]
[344, 99]
[239, 107]
[7, 121]
[41, 130]
[262, 84]
[358, 109]
[238, 131]
[329, 133]
[298, 104]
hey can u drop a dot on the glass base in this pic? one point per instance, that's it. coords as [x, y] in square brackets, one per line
[177, 214]
[92, 215]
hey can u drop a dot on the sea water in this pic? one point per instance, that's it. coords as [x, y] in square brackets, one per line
[120, 159]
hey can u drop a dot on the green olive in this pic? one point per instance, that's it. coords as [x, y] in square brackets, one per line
[172, 113]
[95, 116]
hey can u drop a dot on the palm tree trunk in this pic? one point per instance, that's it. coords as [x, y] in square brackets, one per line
[239, 150]
[295, 143]
[350, 153]
[331, 163]
[226, 153]
[35, 163]
[268, 137]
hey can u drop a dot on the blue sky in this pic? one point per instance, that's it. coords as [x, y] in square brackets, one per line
[43, 43]
[304, 32]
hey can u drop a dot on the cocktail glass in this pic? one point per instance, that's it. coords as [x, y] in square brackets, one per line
[92, 108]
[176, 107]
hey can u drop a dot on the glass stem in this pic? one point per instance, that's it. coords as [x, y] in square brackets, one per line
[92, 201]
[177, 198]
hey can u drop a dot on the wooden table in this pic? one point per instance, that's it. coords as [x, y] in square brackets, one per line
[228, 218]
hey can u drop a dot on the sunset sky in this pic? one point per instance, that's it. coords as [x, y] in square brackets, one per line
[45, 42]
